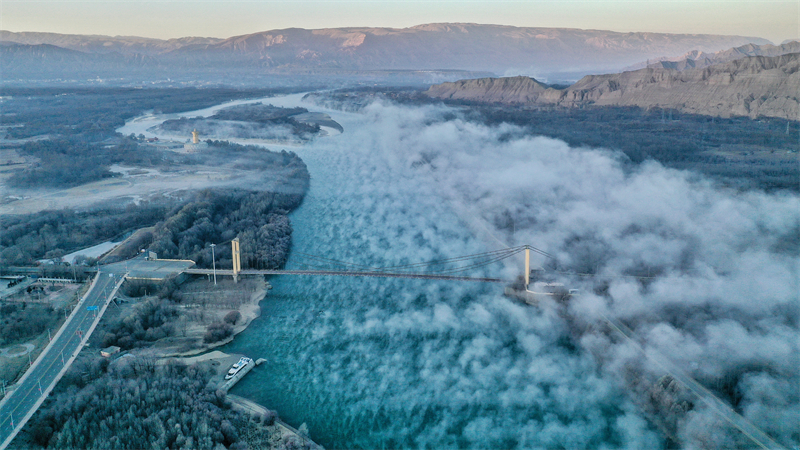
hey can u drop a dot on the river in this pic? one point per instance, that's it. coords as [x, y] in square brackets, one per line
[382, 363]
[395, 363]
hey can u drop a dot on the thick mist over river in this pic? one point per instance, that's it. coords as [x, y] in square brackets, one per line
[390, 363]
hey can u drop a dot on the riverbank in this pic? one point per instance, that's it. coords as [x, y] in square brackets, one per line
[282, 432]
[154, 322]
[208, 304]
[221, 362]
[287, 432]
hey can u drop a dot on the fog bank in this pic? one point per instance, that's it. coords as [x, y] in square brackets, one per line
[414, 364]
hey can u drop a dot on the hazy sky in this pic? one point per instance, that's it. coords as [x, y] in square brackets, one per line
[775, 20]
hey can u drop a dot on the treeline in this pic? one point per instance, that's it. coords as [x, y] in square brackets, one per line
[52, 234]
[75, 160]
[188, 227]
[356, 99]
[98, 112]
[257, 112]
[133, 404]
[292, 170]
[150, 321]
[258, 218]
[62, 163]
[270, 115]
[283, 128]
[658, 134]
[21, 321]
[81, 126]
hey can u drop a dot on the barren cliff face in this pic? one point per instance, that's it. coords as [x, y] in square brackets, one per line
[501, 90]
[699, 59]
[751, 86]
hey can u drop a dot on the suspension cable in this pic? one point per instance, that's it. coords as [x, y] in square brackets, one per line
[503, 252]
[455, 259]
[478, 264]
[336, 262]
[489, 258]
[473, 261]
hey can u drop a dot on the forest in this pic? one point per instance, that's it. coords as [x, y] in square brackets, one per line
[250, 121]
[52, 234]
[79, 125]
[257, 112]
[150, 321]
[20, 321]
[95, 113]
[132, 403]
[68, 161]
[257, 218]
[184, 228]
[54, 157]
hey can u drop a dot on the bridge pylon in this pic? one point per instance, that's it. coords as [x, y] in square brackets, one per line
[527, 266]
[237, 259]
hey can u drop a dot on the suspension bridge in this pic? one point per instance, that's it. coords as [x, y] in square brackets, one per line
[452, 269]
[40, 379]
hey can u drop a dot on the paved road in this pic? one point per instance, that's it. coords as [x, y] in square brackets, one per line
[40, 379]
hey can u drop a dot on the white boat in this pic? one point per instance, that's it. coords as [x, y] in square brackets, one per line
[236, 368]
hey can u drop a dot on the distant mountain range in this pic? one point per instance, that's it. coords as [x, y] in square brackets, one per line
[473, 47]
[105, 44]
[700, 59]
[752, 86]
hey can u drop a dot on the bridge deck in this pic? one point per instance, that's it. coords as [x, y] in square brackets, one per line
[345, 274]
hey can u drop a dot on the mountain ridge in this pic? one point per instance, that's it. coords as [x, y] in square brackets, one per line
[750, 86]
[439, 46]
[700, 59]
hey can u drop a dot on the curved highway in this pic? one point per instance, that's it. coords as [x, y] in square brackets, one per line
[31, 390]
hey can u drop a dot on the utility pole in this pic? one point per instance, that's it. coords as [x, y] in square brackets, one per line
[214, 263]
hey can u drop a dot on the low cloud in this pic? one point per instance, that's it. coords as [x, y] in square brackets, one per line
[458, 365]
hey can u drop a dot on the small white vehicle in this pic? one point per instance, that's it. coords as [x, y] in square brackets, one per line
[238, 367]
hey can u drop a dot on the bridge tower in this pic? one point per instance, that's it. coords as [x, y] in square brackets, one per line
[527, 266]
[237, 261]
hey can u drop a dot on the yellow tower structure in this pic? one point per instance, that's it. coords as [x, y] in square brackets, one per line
[237, 261]
[195, 137]
[527, 266]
